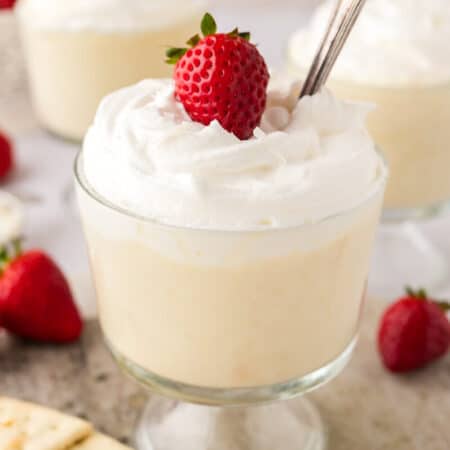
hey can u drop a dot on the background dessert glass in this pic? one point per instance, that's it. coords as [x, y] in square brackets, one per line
[410, 123]
[80, 51]
[229, 318]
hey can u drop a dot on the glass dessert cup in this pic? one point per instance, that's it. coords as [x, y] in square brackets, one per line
[71, 70]
[229, 318]
[410, 123]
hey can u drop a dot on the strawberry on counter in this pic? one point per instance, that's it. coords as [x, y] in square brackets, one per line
[414, 332]
[7, 4]
[35, 299]
[6, 155]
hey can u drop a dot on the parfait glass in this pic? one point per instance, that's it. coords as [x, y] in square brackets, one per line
[224, 325]
[75, 56]
[410, 123]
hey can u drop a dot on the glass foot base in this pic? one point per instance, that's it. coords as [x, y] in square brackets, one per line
[170, 425]
[404, 256]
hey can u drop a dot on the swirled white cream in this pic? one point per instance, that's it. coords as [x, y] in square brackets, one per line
[393, 42]
[107, 15]
[143, 153]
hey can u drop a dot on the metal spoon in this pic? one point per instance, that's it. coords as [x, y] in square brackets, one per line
[339, 27]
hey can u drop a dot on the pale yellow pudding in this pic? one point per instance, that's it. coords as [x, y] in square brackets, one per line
[223, 263]
[411, 125]
[229, 309]
[78, 51]
[397, 58]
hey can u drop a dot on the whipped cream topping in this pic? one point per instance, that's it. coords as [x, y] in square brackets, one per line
[107, 15]
[393, 42]
[309, 160]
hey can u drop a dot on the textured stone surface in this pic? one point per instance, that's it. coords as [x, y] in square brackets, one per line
[365, 408]
[79, 379]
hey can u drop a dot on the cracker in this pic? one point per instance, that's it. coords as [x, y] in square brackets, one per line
[100, 442]
[10, 438]
[24, 426]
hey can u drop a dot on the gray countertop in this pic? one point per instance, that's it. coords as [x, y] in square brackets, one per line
[365, 408]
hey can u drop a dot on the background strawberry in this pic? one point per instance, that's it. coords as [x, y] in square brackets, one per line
[221, 77]
[7, 4]
[35, 299]
[6, 156]
[414, 331]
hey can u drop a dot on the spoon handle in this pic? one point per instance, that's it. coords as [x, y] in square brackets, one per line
[341, 23]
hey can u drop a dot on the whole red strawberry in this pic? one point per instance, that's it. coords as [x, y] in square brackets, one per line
[6, 156]
[35, 299]
[414, 331]
[221, 77]
[7, 4]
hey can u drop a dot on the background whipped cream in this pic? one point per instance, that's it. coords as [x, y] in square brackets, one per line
[144, 154]
[394, 41]
[107, 15]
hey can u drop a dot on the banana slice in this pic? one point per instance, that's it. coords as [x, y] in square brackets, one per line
[11, 218]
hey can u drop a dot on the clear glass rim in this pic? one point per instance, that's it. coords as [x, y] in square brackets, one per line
[90, 191]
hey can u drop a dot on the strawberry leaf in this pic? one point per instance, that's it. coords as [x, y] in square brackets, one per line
[208, 25]
[9, 252]
[245, 35]
[3, 255]
[422, 293]
[236, 33]
[445, 306]
[419, 294]
[175, 54]
[172, 61]
[194, 40]
[172, 52]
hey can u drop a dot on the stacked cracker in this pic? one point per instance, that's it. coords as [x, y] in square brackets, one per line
[24, 426]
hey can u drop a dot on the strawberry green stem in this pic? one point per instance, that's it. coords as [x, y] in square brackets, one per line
[445, 306]
[9, 252]
[4, 259]
[420, 294]
[208, 27]
[3, 255]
